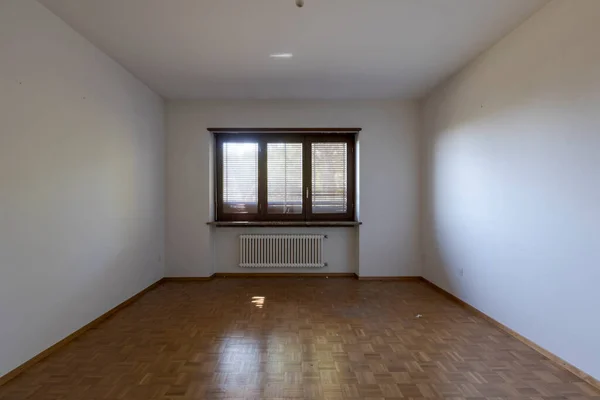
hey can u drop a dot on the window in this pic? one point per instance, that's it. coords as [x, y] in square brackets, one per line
[285, 174]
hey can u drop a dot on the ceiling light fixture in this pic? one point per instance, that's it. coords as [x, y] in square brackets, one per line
[300, 3]
[282, 55]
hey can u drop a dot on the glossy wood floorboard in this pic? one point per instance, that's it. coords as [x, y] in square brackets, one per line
[287, 338]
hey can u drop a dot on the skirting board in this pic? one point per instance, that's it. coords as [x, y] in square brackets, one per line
[188, 278]
[258, 275]
[549, 355]
[293, 275]
[284, 275]
[21, 368]
[390, 278]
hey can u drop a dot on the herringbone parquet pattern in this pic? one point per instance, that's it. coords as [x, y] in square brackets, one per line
[273, 338]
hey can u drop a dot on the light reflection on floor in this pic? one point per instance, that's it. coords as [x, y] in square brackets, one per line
[258, 301]
[247, 360]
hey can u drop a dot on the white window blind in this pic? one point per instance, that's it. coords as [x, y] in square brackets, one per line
[329, 178]
[240, 177]
[284, 178]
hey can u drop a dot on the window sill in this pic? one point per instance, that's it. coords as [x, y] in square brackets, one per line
[286, 224]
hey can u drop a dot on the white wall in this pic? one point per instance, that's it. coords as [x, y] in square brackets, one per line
[388, 240]
[514, 187]
[81, 182]
[339, 250]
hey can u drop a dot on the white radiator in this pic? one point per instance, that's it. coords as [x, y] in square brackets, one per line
[276, 251]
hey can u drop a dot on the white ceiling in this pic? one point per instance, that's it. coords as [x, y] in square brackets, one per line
[211, 49]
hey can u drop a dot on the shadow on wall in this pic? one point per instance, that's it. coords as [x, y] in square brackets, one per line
[498, 140]
[511, 197]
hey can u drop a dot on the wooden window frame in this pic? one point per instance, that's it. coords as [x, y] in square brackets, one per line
[306, 136]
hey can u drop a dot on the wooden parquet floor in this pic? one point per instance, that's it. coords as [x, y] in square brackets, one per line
[272, 338]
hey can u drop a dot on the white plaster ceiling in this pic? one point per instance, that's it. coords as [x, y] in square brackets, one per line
[215, 49]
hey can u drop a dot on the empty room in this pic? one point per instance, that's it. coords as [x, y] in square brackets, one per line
[299, 199]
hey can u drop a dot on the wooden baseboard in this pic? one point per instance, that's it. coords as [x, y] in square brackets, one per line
[27, 364]
[390, 278]
[285, 275]
[316, 275]
[188, 278]
[293, 275]
[549, 355]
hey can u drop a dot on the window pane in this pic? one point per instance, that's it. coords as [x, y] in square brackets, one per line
[329, 178]
[240, 178]
[284, 178]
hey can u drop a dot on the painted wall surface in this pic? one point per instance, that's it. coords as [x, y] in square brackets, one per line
[387, 244]
[81, 182]
[513, 190]
[339, 250]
